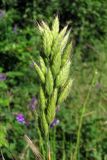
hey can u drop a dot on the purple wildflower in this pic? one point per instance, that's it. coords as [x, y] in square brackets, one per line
[33, 103]
[54, 123]
[2, 76]
[20, 118]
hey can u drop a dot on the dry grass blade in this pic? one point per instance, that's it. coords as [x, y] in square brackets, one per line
[33, 148]
[2, 156]
[49, 154]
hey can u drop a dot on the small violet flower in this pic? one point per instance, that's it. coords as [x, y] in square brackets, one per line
[20, 118]
[54, 123]
[33, 103]
[2, 76]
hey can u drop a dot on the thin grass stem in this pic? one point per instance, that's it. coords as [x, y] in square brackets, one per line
[82, 118]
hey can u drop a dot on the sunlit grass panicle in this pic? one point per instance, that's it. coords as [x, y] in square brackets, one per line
[53, 72]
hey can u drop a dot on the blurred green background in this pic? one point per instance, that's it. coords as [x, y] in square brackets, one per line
[19, 40]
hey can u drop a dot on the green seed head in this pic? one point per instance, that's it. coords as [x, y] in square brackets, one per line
[53, 71]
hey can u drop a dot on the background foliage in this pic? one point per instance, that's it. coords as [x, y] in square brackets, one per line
[19, 39]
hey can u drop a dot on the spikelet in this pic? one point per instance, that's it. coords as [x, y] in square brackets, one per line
[42, 99]
[65, 91]
[64, 41]
[41, 29]
[56, 47]
[57, 43]
[44, 124]
[62, 33]
[42, 65]
[40, 73]
[55, 95]
[49, 82]
[47, 39]
[66, 54]
[56, 64]
[45, 26]
[51, 110]
[55, 27]
[63, 75]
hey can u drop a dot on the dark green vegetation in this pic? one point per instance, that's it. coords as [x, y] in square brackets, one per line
[19, 39]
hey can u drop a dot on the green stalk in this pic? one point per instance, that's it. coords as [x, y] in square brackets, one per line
[63, 154]
[41, 143]
[53, 144]
[82, 118]
[48, 148]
